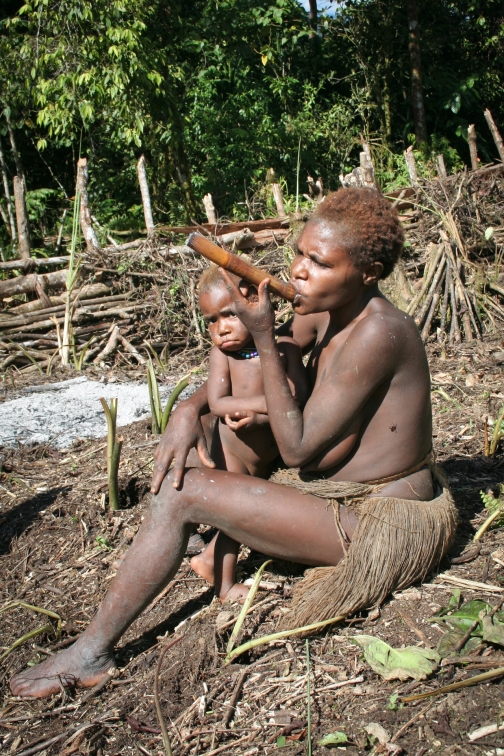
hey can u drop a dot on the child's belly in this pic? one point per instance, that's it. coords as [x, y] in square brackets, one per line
[255, 448]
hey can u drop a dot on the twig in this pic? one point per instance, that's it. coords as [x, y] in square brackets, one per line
[234, 698]
[455, 686]
[162, 723]
[472, 584]
[418, 715]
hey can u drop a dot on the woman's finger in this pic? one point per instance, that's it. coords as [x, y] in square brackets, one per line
[233, 288]
[202, 449]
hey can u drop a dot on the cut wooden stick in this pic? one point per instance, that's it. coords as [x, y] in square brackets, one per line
[144, 191]
[239, 267]
[495, 133]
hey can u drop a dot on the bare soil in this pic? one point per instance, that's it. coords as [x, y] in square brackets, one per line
[57, 545]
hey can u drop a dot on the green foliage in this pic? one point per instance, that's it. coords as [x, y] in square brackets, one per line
[333, 739]
[216, 93]
[492, 505]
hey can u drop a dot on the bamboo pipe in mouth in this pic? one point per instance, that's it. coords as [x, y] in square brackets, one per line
[238, 266]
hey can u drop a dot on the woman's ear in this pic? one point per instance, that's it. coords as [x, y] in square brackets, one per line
[372, 274]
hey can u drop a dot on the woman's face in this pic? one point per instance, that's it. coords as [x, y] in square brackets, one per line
[322, 272]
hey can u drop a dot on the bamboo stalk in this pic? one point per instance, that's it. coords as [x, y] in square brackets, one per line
[433, 288]
[433, 308]
[455, 329]
[428, 278]
[446, 294]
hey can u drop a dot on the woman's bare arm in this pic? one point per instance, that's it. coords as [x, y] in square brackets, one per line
[365, 362]
[183, 432]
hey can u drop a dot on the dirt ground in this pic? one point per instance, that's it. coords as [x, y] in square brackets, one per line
[57, 546]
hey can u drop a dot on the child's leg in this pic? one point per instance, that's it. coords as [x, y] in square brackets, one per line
[204, 564]
[225, 557]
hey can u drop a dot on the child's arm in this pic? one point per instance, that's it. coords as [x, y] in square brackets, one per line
[291, 356]
[297, 377]
[219, 390]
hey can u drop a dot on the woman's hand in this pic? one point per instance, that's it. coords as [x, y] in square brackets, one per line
[257, 317]
[245, 420]
[183, 432]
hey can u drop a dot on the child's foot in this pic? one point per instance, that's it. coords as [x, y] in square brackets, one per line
[237, 592]
[69, 668]
[204, 567]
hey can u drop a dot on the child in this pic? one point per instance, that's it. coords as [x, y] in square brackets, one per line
[242, 440]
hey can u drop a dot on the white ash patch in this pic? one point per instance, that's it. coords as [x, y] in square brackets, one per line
[59, 413]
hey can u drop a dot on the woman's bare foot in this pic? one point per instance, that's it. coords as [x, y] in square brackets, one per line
[70, 668]
[204, 566]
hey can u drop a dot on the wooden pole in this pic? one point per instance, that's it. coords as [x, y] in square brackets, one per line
[85, 215]
[441, 167]
[277, 196]
[473, 146]
[495, 133]
[144, 191]
[411, 165]
[209, 209]
[23, 228]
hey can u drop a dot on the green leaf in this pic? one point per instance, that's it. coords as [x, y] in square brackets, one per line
[333, 739]
[281, 741]
[397, 664]
[493, 630]
[450, 639]
[464, 617]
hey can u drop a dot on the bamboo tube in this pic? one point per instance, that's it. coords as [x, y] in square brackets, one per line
[239, 267]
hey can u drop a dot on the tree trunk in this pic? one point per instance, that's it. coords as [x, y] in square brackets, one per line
[146, 200]
[417, 99]
[5, 179]
[23, 227]
[473, 147]
[209, 208]
[85, 215]
[17, 159]
[495, 133]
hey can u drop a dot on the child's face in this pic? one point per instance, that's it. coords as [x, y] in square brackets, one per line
[226, 329]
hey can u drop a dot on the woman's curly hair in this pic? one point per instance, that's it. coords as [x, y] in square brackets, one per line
[371, 226]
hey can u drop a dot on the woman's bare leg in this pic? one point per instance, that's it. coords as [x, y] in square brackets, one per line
[267, 517]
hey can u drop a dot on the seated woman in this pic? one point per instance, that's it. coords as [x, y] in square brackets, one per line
[365, 430]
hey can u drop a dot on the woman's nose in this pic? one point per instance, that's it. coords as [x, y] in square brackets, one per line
[298, 268]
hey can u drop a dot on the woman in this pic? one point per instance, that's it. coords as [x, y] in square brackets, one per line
[368, 419]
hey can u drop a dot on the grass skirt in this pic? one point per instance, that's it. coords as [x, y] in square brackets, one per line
[396, 543]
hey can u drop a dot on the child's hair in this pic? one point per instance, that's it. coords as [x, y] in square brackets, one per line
[212, 277]
[370, 224]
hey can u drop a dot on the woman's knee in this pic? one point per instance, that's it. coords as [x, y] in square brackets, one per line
[170, 502]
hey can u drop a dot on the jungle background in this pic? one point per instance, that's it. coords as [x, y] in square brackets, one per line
[215, 93]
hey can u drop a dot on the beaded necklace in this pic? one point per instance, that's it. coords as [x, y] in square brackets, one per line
[248, 352]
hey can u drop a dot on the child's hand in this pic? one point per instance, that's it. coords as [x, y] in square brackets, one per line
[244, 419]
